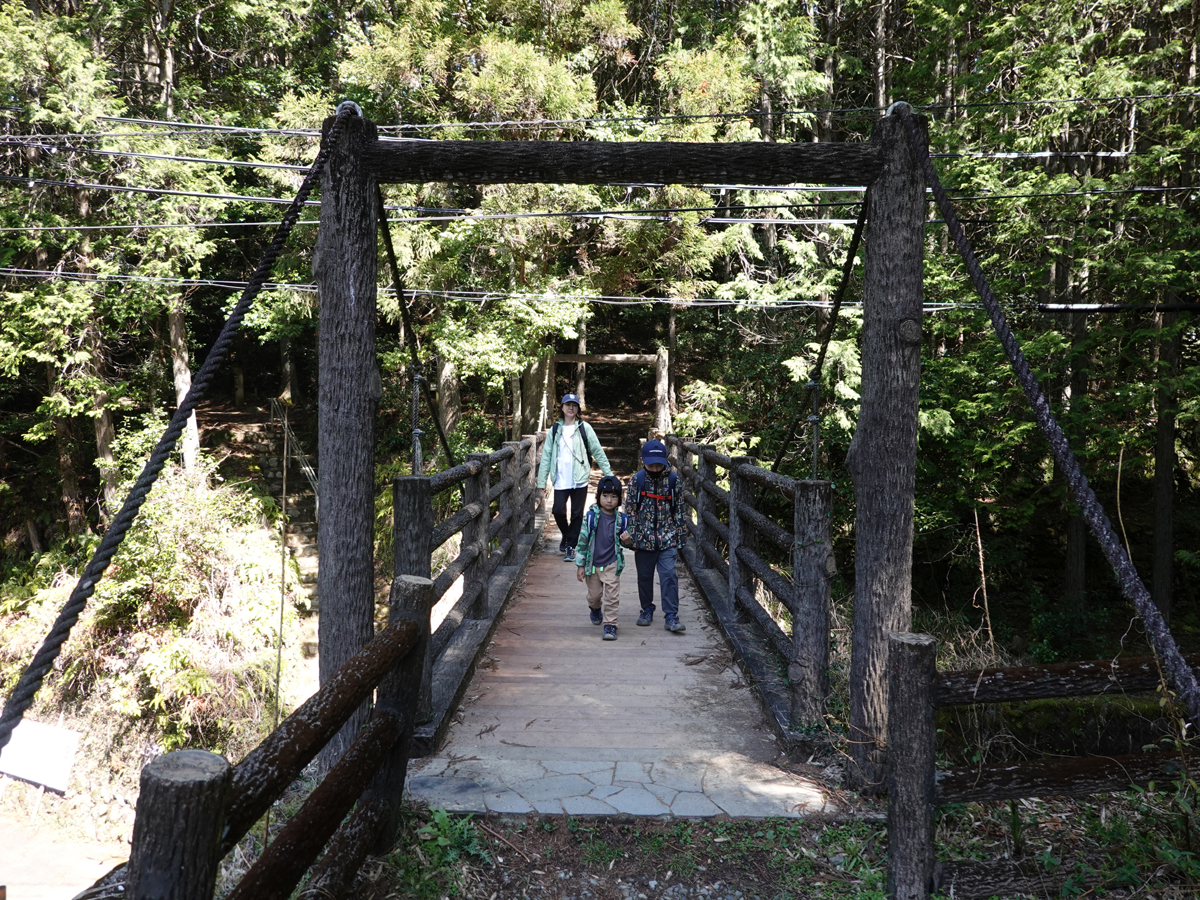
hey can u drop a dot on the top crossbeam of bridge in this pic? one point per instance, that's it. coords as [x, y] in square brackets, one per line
[599, 162]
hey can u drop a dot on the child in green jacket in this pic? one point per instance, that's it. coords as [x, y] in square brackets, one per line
[599, 557]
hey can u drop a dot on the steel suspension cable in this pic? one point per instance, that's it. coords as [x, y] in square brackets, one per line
[814, 381]
[1098, 523]
[31, 681]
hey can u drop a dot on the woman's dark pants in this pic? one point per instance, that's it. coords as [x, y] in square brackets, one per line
[569, 529]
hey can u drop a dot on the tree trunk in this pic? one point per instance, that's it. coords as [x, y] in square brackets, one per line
[182, 373]
[671, 346]
[289, 387]
[518, 415]
[882, 456]
[449, 396]
[581, 367]
[880, 36]
[102, 418]
[345, 269]
[1164, 472]
[1075, 575]
[68, 476]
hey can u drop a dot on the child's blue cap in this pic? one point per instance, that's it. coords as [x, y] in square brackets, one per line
[570, 398]
[654, 452]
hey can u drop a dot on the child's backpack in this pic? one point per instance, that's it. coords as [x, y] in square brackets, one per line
[639, 481]
[586, 448]
[622, 520]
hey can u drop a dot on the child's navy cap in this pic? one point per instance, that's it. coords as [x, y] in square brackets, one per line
[609, 484]
[654, 452]
[570, 398]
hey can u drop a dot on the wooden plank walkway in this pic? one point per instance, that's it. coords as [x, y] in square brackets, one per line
[557, 720]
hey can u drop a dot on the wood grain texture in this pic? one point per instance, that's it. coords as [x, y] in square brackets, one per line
[597, 162]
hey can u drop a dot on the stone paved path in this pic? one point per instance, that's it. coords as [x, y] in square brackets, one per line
[654, 724]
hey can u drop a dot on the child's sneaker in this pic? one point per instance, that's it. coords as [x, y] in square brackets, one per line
[645, 617]
[672, 623]
[597, 616]
[569, 556]
[610, 632]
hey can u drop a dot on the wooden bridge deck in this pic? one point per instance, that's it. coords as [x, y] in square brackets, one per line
[557, 720]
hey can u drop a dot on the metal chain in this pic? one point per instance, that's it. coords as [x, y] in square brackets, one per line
[31, 681]
[1131, 584]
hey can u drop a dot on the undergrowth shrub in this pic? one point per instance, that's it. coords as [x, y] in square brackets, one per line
[179, 640]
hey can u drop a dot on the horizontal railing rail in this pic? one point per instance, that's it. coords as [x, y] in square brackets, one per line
[194, 808]
[917, 787]
[497, 525]
[733, 543]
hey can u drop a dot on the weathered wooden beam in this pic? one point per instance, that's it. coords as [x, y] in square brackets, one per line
[912, 735]
[1073, 777]
[1073, 679]
[599, 162]
[813, 568]
[180, 812]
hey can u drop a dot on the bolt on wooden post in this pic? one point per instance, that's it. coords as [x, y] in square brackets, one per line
[177, 832]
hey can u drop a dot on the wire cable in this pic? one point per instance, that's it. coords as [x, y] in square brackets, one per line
[31, 680]
[1131, 584]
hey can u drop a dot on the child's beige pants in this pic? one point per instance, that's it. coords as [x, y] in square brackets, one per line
[605, 588]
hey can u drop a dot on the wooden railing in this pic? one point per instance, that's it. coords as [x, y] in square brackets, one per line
[499, 522]
[731, 540]
[916, 787]
[194, 806]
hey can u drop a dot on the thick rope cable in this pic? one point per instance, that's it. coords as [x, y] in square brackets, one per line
[1164, 645]
[31, 681]
[814, 381]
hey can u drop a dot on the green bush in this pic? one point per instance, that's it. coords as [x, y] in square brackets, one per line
[180, 636]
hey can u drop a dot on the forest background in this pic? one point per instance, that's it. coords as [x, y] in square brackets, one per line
[1066, 131]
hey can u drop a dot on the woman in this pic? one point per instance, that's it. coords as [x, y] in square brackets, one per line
[566, 458]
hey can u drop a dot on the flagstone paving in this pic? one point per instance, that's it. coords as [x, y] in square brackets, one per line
[653, 724]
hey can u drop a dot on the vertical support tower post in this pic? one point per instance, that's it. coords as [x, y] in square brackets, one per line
[345, 270]
[882, 456]
[812, 568]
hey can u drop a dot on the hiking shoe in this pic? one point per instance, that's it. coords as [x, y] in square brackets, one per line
[597, 616]
[610, 632]
[569, 556]
[645, 617]
[672, 623]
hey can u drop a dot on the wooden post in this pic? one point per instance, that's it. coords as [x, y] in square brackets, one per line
[912, 739]
[411, 600]
[812, 568]
[412, 507]
[180, 817]
[345, 271]
[532, 458]
[662, 400]
[511, 500]
[475, 534]
[882, 455]
[741, 492]
[552, 411]
[705, 472]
